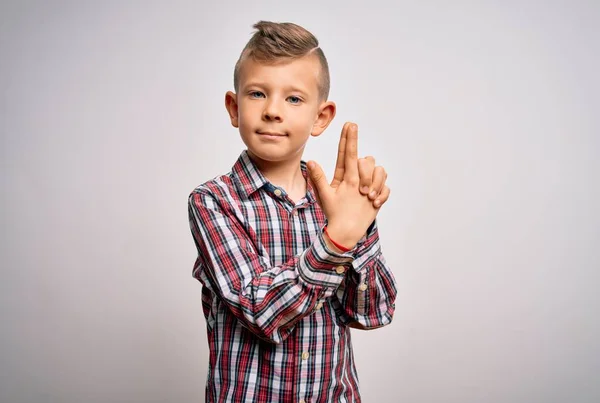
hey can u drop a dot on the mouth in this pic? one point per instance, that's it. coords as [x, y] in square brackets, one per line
[272, 134]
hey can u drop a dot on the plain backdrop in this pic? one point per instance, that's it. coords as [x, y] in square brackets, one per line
[485, 115]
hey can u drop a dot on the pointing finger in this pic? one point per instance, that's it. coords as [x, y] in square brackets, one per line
[351, 157]
[338, 174]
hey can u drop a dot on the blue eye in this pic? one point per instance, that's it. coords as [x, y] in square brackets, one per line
[257, 94]
[294, 100]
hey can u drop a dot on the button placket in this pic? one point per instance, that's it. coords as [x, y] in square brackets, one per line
[304, 356]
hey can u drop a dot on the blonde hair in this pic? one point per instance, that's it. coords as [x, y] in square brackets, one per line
[273, 42]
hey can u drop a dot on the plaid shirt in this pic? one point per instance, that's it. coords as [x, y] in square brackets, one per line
[278, 303]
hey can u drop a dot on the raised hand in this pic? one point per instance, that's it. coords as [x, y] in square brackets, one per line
[372, 178]
[349, 213]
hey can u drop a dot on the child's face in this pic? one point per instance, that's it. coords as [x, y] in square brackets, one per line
[277, 107]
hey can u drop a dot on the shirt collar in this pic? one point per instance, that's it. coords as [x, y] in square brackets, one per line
[249, 179]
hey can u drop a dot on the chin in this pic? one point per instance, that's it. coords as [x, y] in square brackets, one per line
[269, 155]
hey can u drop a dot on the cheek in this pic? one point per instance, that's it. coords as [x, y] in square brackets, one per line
[307, 119]
[245, 126]
[246, 115]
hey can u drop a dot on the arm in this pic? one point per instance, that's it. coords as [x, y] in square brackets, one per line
[266, 299]
[368, 292]
[366, 300]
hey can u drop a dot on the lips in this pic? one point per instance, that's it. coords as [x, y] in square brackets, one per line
[272, 134]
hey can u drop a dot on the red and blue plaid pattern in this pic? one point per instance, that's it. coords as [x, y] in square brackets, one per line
[278, 303]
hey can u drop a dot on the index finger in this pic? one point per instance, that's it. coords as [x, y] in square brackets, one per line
[351, 159]
[338, 174]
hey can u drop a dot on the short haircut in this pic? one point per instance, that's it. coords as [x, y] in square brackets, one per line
[273, 42]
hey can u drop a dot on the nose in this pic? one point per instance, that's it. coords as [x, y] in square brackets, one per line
[272, 111]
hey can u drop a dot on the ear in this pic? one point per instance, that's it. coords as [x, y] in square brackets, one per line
[325, 115]
[232, 107]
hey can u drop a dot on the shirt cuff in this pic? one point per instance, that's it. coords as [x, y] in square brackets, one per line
[321, 266]
[367, 248]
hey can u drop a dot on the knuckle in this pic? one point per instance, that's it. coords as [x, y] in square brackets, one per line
[352, 181]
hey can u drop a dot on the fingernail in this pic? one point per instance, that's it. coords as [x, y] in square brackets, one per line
[365, 189]
[372, 194]
[377, 203]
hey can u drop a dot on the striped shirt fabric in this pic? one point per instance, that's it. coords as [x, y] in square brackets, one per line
[278, 302]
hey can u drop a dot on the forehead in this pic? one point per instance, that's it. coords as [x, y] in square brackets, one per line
[304, 72]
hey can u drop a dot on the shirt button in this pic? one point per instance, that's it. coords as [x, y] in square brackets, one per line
[319, 305]
[295, 212]
[277, 192]
[340, 269]
[363, 287]
[305, 355]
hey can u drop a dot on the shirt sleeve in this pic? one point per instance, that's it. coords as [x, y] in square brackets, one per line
[266, 299]
[367, 295]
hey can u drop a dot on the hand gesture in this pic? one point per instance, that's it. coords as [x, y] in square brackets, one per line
[349, 213]
[372, 178]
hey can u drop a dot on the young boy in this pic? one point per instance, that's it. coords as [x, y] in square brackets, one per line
[288, 262]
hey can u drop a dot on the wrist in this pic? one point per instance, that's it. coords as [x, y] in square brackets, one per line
[331, 246]
[337, 241]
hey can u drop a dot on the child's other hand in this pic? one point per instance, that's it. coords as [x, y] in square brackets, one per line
[372, 181]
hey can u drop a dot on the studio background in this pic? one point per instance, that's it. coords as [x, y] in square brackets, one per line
[484, 114]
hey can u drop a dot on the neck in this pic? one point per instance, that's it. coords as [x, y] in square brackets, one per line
[283, 174]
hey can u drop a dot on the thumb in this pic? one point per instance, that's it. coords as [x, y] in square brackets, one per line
[317, 177]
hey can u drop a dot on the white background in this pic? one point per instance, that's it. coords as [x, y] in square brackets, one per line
[484, 114]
